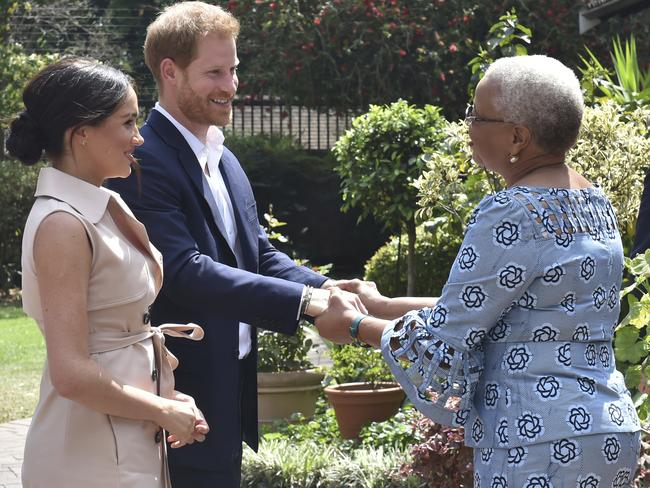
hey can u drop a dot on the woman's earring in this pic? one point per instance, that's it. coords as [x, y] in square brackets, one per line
[83, 142]
[513, 158]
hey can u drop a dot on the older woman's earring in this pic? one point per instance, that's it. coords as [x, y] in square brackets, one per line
[513, 158]
[83, 142]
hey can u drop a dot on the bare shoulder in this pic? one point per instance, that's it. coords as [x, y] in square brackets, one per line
[60, 238]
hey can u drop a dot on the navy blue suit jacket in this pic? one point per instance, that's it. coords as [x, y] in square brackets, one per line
[205, 284]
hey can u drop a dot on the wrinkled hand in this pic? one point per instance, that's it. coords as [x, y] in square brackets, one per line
[367, 291]
[199, 427]
[644, 387]
[334, 323]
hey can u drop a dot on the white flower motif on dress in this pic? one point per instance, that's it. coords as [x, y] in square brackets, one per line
[506, 234]
[615, 414]
[545, 333]
[477, 430]
[538, 481]
[460, 417]
[581, 333]
[517, 455]
[590, 480]
[473, 297]
[622, 478]
[439, 316]
[611, 449]
[499, 482]
[553, 275]
[563, 355]
[499, 332]
[528, 300]
[564, 451]
[474, 338]
[579, 419]
[511, 276]
[548, 388]
[530, 426]
[587, 385]
[517, 358]
[605, 356]
[600, 296]
[492, 393]
[486, 455]
[587, 268]
[502, 432]
[467, 258]
[590, 354]
[568, 303]
[612, 297]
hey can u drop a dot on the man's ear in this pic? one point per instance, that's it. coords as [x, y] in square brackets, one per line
[169, 71]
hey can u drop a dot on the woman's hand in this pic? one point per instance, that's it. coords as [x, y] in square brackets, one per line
[334, 323]
[367, 292]
[181, 418]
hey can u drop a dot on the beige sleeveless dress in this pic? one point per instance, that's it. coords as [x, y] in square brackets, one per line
[68, 444]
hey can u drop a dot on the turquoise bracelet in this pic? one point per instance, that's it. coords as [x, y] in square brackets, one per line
[354, 326]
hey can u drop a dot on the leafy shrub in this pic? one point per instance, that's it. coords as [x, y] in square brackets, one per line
[303, 189]
[435, 249]
[612, 151]
[17, 185]
[441, 458]
[280, 352]
[353, 364]
[286, 464]
[378, 159]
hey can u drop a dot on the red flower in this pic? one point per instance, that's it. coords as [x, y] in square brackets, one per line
[272, 5]
[402, 52]
[453, 47]
[317, 21]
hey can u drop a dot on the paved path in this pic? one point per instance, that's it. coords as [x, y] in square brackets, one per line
[12, 442]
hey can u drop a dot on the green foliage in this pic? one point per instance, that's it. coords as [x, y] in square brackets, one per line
[612, 150]
[435, 249]
[440, 456]
[506, 38]
[632, 85]
[285, 464]
[380, 156]
[17, 185]
[303, 188]
[16, 68]
[353, 364]
[632, 344]
[280, 352]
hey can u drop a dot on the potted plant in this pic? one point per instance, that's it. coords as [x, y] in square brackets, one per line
[286, 381]
[365, 391]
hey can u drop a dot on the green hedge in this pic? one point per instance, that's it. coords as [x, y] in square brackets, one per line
[17, 185]
[304, 191]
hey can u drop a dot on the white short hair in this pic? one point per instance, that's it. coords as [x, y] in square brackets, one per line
[542, 94]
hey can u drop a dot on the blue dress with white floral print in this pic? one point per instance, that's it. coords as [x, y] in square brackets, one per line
[518, 349]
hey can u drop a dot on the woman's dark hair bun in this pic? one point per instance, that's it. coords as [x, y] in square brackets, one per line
[25, 141]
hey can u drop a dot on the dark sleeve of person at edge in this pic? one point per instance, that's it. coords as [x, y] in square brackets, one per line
[642, 234]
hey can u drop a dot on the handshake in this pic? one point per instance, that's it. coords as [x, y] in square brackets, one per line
[338, 304]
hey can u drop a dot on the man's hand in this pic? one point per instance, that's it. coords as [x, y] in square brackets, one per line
[320, 301]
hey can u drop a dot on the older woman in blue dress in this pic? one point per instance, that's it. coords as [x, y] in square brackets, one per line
[522, 332]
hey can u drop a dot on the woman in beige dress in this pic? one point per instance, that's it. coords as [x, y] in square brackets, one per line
[107, 399]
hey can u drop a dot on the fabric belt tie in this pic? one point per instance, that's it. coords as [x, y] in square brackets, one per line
[103, 341]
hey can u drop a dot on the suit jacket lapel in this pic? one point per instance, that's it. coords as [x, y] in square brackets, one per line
[186, 157]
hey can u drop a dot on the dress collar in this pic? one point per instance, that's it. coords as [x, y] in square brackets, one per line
[87, 199]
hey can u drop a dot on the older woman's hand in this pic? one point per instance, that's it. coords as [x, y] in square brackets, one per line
[334, 323]
[367, 291]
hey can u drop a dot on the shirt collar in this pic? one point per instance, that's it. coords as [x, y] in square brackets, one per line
[198, 148]
[87, 199]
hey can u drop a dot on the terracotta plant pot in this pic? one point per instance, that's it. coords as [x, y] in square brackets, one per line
[357, 404]
[280, 395]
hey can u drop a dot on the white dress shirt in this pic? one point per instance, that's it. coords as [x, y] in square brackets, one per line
[209, 158]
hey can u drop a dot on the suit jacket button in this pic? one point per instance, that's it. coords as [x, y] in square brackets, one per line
[146, 318]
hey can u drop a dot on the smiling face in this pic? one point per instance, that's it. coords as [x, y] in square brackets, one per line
[107, 148]
[207, 86]
[490, 140]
